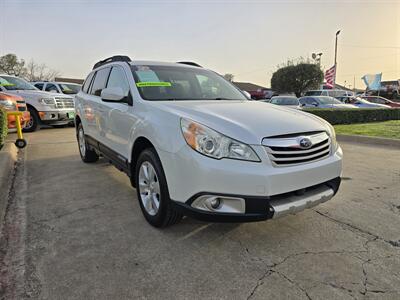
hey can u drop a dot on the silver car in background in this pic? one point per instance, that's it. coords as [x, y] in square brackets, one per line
[323, 102]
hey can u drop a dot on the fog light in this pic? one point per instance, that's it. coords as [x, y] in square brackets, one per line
[215, 203]
[220, 204]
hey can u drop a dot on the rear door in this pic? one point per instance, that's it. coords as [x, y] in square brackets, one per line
[93, 102]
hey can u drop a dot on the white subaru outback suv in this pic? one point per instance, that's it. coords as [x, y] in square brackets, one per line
[194, 145]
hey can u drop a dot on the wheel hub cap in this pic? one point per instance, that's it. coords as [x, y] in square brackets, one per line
[81, 139]
[149, 188]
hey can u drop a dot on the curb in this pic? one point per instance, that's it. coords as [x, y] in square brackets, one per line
[8, 159]
[368, 140]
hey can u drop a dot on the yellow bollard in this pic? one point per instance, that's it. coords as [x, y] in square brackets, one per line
[20, 142]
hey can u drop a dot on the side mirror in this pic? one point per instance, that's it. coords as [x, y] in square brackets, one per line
[114, 94]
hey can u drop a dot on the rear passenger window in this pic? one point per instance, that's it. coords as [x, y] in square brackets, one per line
[100, 81]
[86, 85]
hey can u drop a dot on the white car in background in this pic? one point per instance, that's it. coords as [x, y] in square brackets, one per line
[58, 87]
[44, 107]
[329, 93]
[286, 101]
[192, 144]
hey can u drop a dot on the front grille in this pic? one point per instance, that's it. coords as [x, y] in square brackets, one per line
[286, 151]
[64, 103]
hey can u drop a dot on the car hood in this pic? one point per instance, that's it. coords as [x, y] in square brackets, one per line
[36, 94]
[245, 121]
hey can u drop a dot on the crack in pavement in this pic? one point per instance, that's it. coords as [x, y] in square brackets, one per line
[14, 267]
[357, 229]
[294, 283]
[259, 282]
[272, 268]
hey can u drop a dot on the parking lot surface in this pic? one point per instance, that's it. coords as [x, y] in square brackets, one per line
[75, 231]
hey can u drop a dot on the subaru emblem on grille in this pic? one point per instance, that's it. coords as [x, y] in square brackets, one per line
[305, 143]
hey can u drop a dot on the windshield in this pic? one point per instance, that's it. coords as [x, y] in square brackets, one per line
[181, 83]
[13, 83]
[69, 88]
[329, 100]
[285, 101]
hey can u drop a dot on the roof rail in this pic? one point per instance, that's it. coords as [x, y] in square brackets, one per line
[190, 63]
[112, 59]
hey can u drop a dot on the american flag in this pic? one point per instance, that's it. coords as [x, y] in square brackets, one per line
[330, 76]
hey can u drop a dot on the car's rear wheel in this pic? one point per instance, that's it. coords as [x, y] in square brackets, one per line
[88, 155]
[152, 191]
[33, 122]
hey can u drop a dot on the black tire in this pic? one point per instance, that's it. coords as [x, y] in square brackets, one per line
[20, 143]
[60, 126]
[34, 121]
[87, 154]
[166, 214]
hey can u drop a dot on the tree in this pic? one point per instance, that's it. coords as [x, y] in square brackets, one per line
[11, 65]
[39, 72]
[297, 77]
[229, 77]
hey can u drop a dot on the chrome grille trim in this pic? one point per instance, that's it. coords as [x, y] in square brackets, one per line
[284, 151]
[64, 102]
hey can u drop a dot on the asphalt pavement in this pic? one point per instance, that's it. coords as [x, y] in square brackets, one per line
[75, 231]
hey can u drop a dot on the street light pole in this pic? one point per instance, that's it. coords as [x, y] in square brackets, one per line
[334, 81]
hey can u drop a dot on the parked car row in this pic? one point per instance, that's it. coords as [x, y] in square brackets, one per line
[331, 102]
[53, 106]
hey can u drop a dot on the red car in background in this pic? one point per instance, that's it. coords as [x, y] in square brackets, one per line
[14, 103]
[381, 100]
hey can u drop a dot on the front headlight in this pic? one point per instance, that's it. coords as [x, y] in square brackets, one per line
[8, 105]
[47, 101]
[332, 135]
[214, 144]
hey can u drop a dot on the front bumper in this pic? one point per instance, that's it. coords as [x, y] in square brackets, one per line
[12, 121]
[57, 117]
[263, 208]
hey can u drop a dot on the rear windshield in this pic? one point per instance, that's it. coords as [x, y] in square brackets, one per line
[158, 83]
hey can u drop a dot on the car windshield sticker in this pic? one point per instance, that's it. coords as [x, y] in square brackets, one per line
[149, 84]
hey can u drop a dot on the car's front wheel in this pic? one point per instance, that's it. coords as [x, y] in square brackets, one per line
[152, 191]
[33, 122]
[88, 155]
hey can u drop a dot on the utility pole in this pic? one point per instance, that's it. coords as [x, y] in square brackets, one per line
[334, 81]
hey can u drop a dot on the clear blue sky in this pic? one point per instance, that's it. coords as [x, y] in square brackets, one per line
[245, 38]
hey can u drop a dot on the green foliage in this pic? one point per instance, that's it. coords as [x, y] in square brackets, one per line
[352, 115]
[387, 129]
[3, 126]
[11, 65]
[297, 77]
